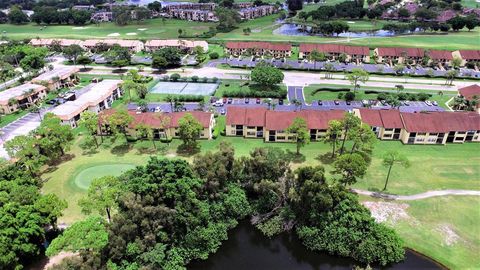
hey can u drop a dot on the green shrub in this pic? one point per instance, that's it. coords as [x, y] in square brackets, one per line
[214, 55]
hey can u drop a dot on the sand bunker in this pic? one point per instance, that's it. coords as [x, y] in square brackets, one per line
[387, 211]
[113, 35]
[142, 29]
[131, 34]
[80, 28]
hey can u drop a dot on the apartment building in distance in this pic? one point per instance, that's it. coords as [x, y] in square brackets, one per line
[275, 50]
[97, 98]
[58, 78]
[190, 6]
[50, 42]
[468, 56]
[249, 13]
[164, 125]
[183, 45]
[356, 54]
[21, 97]
[193, 15]
[132, 45]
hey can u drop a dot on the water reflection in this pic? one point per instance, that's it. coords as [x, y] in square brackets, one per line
[248, 249]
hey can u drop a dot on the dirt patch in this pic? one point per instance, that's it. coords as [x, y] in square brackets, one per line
[54, 260]
[450, 237]
[387, 211]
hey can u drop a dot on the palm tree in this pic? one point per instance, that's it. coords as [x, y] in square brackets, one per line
[297, 103]
[328, 70]
[35, 108]
[391, 158]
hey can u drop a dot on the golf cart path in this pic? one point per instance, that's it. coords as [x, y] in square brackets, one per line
[425, 195]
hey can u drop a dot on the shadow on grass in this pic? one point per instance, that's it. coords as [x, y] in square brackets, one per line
[64, 158]
[187, 151]
[325, 158]
[50, 169]
[121, 150]
[143, 150]
[119, 71]
[89, 152]
[294, 157]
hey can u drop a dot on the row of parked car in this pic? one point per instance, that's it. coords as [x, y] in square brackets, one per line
[216, 102]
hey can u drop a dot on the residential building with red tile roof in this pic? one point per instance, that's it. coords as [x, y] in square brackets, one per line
[276, 50]
[470, 93]
[184, 45]
[398, 55]
[422, 127]
[131, 44]
[467, 56]
[272, 125]
[333, 51]
[164, 125]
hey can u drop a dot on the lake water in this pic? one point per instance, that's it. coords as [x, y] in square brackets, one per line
[290, 29]
[248, 249]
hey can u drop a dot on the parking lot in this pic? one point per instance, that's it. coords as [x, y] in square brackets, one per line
[307, 65]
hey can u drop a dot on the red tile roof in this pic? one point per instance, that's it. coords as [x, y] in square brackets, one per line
[259, 45]
[279, 120]
[440, 55]
[334, 48]
[391, 118]
[371, 117]
[396, 51]
[155, 120]
[470, 54]
[441, 122]
[470, 91]
[247, 117]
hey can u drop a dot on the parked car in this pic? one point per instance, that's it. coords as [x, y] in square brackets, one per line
[222, 112]
[320, 103]
[384, 102]
[365, 102]
[428, 102]
[406, 103]
[280, 102]
[336, 102]
[152, 109]
[258, 101]
[435, 103]
[247, 100]
[348, 102]
[225, 100]
[158, 109]
[230, 100]
[218, 103]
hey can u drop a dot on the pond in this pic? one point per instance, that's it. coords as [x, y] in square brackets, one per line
[247, 249]
[291, 29]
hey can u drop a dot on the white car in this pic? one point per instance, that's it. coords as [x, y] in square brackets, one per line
[158, 109]
[428, 102]
[218, 103]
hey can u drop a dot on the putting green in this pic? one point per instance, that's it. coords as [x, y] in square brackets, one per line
[85, 177]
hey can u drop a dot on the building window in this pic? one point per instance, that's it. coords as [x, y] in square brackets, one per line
[281, 138]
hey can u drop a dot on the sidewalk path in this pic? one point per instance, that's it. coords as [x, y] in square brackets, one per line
[425, 195]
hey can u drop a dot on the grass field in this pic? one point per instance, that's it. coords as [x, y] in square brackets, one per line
[470, 3]
[264, 32]
[443, 228]
[155, 28]
[433, 167]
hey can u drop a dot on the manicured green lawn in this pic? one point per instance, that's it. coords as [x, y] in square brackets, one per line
[470, 3]
[264, 32]
[433, 222]
[84, 177]
[154, 29]
[9, 118]
[435, 167]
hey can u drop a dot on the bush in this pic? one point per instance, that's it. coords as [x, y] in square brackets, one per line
[423, 96]
[194, 78]
[349, 96]
[214, 79]
[214, 55]
[175, 77]
[204, 79]
[184, 98]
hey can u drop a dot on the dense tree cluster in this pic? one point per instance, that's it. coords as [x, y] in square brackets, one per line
[266, 75]
[18, 55]
[58, 4]
[51, 15]
[25, 213]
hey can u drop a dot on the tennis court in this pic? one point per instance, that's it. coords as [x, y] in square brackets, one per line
[183, 88]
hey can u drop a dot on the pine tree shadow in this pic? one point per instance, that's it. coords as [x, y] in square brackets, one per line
[121, 149]
[325, 158]
[187, 151]
[294, 157]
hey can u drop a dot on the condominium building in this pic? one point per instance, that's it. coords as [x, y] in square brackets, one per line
[470, 93]
[423, 127]
[355, 54]
[193, 15]
[164, 125]
[272, 126]
[468, 56]
[184, 45]
[250, 13]
[97, 98]
[49, 42]
[131, 45]
[187, 5]
[276, 50]
[21, 97]
[58, 78]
